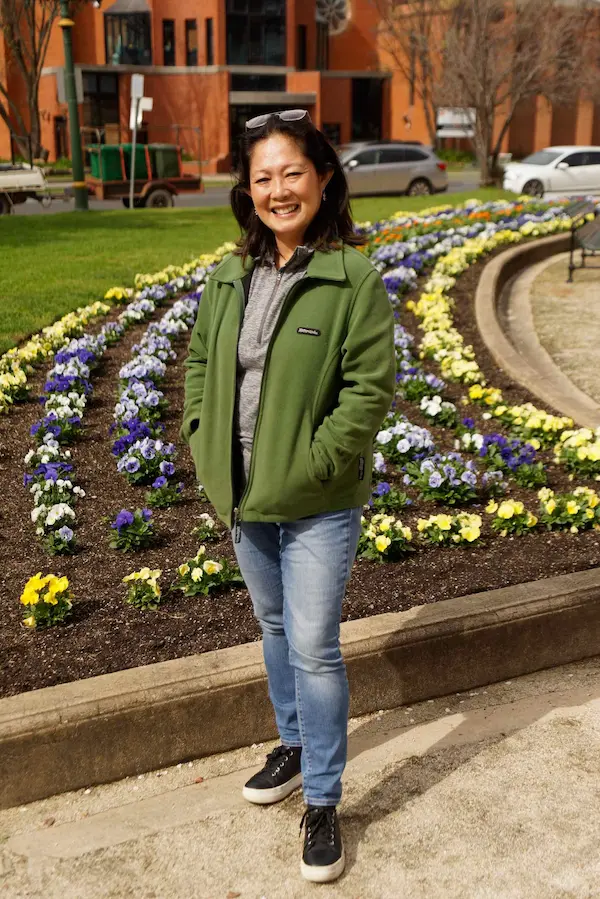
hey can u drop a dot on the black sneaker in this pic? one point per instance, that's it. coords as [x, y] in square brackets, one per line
[323, 858]
[280, 777]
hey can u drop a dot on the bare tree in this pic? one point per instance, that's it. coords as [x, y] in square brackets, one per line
[497, 55]
[26, 26]
[409, 31]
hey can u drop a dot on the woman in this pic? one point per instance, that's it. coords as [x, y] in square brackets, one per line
[290, 372]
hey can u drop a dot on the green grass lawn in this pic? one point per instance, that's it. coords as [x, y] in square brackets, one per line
[51, 264]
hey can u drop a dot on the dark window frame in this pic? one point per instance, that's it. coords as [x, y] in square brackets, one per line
[191, 53]
[322, 60]
[209, 41]
[169, 55]
[119, 27]
[256, 32]
[302, 48]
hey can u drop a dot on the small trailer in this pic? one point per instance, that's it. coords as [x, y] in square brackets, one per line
[159, 174]
[20, 182]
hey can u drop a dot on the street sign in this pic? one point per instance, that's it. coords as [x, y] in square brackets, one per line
[137, 87]
[144, 104]
[455, 121]
[60, 85]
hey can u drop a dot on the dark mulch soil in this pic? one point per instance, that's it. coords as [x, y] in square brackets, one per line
[104, 634]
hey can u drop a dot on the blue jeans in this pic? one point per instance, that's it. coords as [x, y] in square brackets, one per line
[297, 573]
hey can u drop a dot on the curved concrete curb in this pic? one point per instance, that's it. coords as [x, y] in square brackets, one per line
[524, 358]
[105, 728]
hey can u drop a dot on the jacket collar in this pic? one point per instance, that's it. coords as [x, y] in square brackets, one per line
[326, 266]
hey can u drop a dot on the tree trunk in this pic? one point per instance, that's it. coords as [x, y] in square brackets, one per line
[35, 129]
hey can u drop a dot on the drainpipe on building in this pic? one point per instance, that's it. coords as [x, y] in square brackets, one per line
[79, 185]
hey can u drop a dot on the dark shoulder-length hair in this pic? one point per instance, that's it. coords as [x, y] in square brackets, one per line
[331, 227]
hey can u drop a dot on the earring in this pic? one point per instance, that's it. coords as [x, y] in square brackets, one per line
[254, 212]
[324, 196]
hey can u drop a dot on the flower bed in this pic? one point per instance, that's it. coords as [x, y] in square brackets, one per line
[455, 470]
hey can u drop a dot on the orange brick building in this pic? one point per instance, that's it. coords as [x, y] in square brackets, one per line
[211, 65]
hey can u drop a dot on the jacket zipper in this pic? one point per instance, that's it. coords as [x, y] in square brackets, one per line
[237, 512]
[239, 287]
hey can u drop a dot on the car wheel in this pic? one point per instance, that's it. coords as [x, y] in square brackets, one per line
[419, 188]
[138, 202]
[159, 199]
[534, 188]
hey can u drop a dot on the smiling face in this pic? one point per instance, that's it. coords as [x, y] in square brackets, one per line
[285, 188]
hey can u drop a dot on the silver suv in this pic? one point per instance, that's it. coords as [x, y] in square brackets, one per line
[387, 167]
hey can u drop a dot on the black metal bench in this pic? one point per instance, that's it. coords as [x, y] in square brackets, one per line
[584, 235]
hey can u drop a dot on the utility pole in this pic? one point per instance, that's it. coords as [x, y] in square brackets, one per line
[79, 185]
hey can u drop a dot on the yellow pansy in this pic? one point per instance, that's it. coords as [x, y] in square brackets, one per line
[491, 507]
[506, 510]
[183, 569]
[212, 567]
[444, 522]
[572, 507]
[197, 574]
[470, 533]
[30, 597]
[382, 543]
[29, 622]
[550, 506]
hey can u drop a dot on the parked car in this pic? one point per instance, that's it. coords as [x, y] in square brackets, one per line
[555, 170]
[389, 167]
[21, 182]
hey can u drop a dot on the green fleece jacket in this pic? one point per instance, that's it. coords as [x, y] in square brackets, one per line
[328, 382]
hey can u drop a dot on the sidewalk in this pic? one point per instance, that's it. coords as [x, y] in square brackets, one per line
[567, 319]
[491, 794]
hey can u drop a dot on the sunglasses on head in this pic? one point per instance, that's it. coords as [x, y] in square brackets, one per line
[286, 115]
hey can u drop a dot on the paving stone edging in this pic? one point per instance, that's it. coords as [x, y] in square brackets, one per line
[533, 368]
[105, 728]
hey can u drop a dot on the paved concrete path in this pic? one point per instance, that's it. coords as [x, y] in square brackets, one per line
[567, 320]
[489, 794]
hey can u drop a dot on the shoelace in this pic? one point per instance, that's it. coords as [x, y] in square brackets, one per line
[279, 753]
[316, 819]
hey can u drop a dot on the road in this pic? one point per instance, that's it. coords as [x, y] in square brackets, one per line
[214, 195]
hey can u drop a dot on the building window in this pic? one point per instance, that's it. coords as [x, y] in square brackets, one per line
[191, 42]
[322, 46]
[210, 52]
[127, 39]
[255, 32]
[100, 101]
[168, 42]
[367, 108]
[301, 61]
[257, 82]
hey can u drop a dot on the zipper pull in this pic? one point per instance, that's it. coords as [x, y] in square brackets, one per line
[237, 528]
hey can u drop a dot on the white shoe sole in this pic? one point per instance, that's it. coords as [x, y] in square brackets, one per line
[323, 873]
[275, 794]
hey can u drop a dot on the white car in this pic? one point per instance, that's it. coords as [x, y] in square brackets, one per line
[555, 170]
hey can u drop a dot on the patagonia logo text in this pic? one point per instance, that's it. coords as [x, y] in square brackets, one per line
[314, 332]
